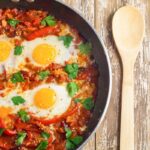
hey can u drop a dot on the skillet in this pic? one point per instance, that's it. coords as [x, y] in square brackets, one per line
[72, 17]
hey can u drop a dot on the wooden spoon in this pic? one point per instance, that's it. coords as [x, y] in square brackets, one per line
[128, 30]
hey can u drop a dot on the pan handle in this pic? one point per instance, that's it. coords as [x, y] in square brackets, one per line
[19, 0]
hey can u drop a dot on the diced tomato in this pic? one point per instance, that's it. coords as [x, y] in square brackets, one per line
[7, 131]
[1, 86]
[36, 21]
[10, 132]
[28, 24]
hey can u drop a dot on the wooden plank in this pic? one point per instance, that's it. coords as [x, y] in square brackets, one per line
[99, 13]
[107, 136]
[142, 88]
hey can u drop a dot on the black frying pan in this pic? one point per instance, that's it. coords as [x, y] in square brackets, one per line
[70, 16]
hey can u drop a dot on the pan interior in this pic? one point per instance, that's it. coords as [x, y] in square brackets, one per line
[66, 14]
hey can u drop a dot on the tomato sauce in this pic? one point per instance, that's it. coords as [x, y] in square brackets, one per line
[76, 117]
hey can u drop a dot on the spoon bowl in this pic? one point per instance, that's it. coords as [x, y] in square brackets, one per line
[128, 30]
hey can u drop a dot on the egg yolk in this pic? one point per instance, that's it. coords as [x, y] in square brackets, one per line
[44, 54]
[5, 49]
[5, 111]
[45, 98]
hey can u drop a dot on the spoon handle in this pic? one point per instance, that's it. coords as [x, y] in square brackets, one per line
[127, 109]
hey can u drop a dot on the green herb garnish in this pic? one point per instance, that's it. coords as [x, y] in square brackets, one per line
[72, 70]
[72, 143]
[68, 132]
[45, 135]
[1, 131]
[49, 20]
[17, 77]
[13, 22]
[42, 146]
[24, 116]
[88, 103]
[77, 100]
[17, 100]
[18, 50]
[72, 88]
[66, 39]
[77, 140]
[85, 48]
[43, 74]
[20, 138]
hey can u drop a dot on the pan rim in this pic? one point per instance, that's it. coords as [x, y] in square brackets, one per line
[109, 70]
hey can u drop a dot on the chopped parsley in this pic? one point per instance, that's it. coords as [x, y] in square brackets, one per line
[88, 103]
[49, 20]
[45, 135]
[77, 140]
[72, 70]
[17, 77]
[13, 22]
[68, 132]
[42, 146]
[18, 50]
[24, 115]
[72, 143]
[1, 131]
[17, 100]
[85, 48]
[72, 88]
[20, 138]
[66, 39]
[77, 100]
[43, 74]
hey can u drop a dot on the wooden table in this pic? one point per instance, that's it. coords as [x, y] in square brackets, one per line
[99, 13]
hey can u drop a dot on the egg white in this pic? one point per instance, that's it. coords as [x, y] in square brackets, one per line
[7, 102]
[63, 53]
[61, 105]
[15, 63]
[63, 101]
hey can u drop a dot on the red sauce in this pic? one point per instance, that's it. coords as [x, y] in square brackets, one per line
[75, 118]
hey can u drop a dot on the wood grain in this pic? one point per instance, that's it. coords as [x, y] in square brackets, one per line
[99, 13]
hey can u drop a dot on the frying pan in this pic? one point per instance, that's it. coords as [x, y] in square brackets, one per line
[72, 17]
